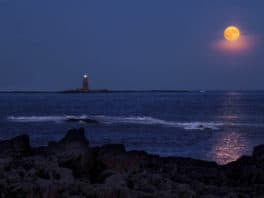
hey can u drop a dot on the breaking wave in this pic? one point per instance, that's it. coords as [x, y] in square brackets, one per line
[109, 120]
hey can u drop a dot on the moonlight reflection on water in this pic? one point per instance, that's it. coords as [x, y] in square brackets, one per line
[230, 144]
[229, 147]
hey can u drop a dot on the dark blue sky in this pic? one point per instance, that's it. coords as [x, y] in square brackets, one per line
[139, 44]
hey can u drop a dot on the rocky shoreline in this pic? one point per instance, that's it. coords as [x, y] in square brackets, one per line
[71, 168]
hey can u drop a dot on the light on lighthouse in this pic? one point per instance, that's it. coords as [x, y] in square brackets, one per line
[85, 86]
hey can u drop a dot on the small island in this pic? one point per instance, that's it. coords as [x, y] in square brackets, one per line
[86, 89]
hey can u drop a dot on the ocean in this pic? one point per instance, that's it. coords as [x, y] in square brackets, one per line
[218, 126]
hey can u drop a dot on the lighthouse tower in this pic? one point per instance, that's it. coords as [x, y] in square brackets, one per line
[85, 85]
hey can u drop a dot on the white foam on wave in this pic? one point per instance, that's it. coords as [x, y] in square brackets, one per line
[35, 118]
[134, 120]
[43, 118]
[201, 125]
[155, 121]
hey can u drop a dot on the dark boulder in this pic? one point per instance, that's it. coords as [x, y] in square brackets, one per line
[74, 141]
[75, 135]
[258, 152]
[73, 152]
[16, 146]
[115, 157]
[112, 149]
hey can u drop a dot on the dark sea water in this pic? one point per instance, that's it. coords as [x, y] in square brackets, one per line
[218, 126]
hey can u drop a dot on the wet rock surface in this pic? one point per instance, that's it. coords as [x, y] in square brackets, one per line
[71, 168]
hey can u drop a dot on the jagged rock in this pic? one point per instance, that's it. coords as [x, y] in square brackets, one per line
[74, 138]
[109, 192]
[258, 152]
[115, 180]
[71, 146]
[116, 158]
[104, 174]
[70, 168]
[112, 149]
[73, 152]
[75, 135]
[185, 191]
[15, 146]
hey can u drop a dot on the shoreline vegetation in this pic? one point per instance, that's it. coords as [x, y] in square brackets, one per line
[72, 168]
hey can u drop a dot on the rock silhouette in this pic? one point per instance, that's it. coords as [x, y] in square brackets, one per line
[72, 168]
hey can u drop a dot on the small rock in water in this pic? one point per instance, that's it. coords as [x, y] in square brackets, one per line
[86, 120]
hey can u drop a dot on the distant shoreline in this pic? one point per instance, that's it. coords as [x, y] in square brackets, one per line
[100, 91]
[122, 91]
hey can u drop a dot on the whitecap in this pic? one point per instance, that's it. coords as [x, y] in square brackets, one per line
[128, 120]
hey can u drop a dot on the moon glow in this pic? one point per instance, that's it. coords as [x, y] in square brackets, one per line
[232, 33]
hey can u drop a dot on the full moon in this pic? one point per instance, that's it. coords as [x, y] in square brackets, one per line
[232, 33]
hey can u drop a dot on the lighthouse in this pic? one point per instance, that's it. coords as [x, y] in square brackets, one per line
[85, 85]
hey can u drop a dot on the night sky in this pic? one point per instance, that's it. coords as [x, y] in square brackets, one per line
[139, 44]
